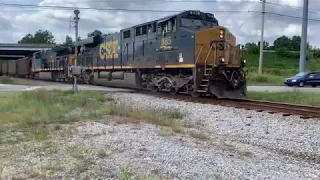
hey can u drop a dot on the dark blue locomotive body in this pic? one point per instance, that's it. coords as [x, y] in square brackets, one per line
[188, 52]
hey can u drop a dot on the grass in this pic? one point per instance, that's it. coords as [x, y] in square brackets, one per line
[303, 98]
[1, 168]
[256, 79]
[29, 119]
[199, 135]
[272, 60]
[165, 131]
[7, 80]
[127, 173]
[275, 68]
[10, 80]
[163, 118]
[31, 112]
[102, 154]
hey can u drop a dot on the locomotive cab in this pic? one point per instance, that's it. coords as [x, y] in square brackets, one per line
[217, 52]
[218, 65]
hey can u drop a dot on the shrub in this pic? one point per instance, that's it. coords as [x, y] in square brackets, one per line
[284, 52]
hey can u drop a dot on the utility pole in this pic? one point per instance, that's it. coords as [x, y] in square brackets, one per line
[76, 20]
[261, 40]
[304, 32]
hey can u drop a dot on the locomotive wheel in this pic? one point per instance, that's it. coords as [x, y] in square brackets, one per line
[154, 88]
[194, 94]
[174, 91]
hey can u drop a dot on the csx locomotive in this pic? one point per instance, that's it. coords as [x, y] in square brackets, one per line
[184, 53]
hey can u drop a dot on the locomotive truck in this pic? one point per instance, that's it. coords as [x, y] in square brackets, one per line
[186, 53]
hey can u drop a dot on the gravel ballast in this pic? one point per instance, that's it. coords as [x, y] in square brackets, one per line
[285, 147]
[241, 144]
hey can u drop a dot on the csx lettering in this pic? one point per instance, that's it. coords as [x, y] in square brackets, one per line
[108, 50]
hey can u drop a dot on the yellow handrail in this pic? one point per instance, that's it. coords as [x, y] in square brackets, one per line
[205, 63]
[199, 54]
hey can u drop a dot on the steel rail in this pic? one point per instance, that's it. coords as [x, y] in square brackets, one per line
[271, 107]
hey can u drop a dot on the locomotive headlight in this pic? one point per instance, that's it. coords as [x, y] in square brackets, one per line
[243, 62]
[222, 60]
[221, 33]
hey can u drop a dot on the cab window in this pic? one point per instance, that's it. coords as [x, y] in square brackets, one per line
[196, 23]
[167, 26]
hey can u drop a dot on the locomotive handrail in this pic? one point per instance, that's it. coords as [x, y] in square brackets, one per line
[199, 54]
[205, 63]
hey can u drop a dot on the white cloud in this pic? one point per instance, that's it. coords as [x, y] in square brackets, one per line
[246, 26]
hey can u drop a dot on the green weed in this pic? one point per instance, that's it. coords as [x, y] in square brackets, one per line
[303, 98]
[126, 173]
[199, 135]
[254, 78]
[9, 80]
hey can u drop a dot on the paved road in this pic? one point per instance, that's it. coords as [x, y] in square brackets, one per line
[282, 89]
[14, 88]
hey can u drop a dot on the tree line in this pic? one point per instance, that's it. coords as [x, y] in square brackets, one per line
[46, 37]
[284, 45]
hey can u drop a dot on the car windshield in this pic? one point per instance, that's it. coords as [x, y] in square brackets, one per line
[301, 74]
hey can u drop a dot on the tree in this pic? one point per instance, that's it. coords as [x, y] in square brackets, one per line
[316, 54]
[95, 33]
[252, 47]
[292, 44]
[68, 41]
[40, 37]
[265, 45]
[282, 42]
[295, 43]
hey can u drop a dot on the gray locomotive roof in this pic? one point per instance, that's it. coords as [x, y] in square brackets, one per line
[161, 19]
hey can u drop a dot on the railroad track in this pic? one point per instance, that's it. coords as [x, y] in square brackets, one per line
[260, 106]
[305, 112]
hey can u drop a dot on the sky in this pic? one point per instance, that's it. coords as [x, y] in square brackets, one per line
[16, 22]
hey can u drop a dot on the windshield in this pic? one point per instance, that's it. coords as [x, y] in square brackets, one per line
[301, 74]
[196, 23]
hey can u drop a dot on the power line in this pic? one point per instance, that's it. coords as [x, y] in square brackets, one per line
[296, 17]
[251, 6]
[109, 9]
[210, 1]
[154, 2]
[293, 7]
[142, 10]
